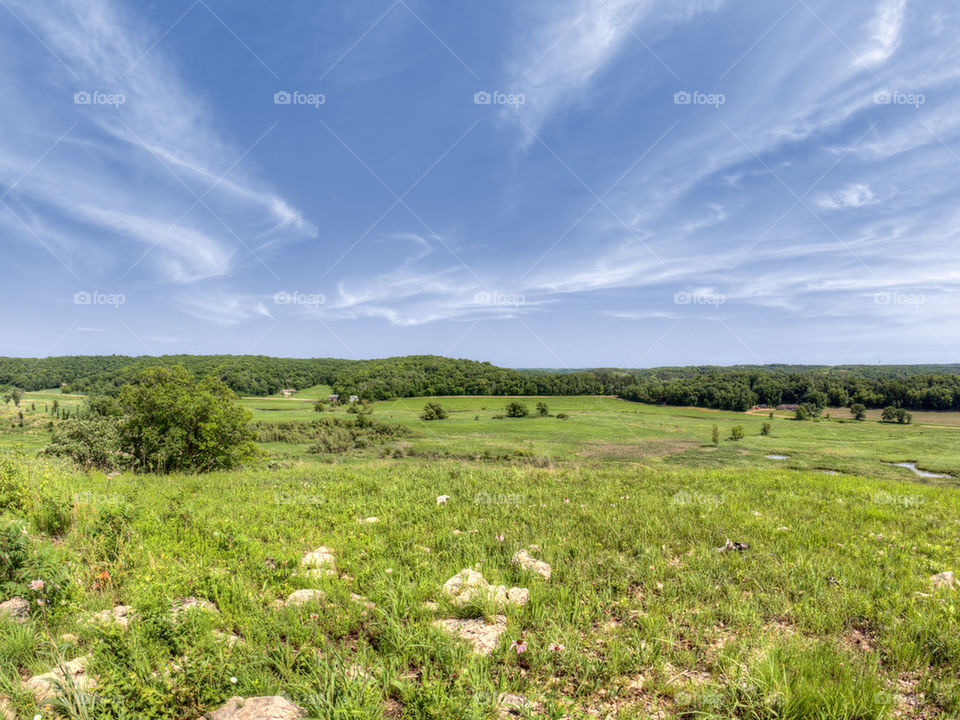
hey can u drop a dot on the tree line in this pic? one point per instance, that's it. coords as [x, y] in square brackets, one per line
[913, 387]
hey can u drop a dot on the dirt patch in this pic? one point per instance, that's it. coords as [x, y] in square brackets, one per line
[640, 450]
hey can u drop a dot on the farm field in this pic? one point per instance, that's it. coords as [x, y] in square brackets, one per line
[826, 610]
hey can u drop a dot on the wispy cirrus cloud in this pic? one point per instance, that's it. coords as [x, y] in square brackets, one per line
[131, 173]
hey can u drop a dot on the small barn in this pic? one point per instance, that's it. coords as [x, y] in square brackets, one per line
[354, 398]
[287, 392]
[333, 398]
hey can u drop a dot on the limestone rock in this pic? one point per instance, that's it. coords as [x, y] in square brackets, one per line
[302, 597]
[469, 585]
[257, 708]
[17, 609]
[319, 562]
[526, 561]
[482, 636]
[44, 687]
[189, 604]
[944, 580]
[121, 615]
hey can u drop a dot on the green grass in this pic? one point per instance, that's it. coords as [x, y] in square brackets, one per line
[828, 614]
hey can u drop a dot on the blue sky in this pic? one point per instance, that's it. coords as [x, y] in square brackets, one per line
[547, 183]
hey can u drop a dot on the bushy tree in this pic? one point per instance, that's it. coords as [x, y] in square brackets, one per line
[903, 417]
[889, 414]
[802, 413]
[433, 411]
[858, 411]
[737, 432]
[516, 409]
[542, 409]
[716, 436]
[766, 428]
[14, 394]
[173, 422]
[93, 443]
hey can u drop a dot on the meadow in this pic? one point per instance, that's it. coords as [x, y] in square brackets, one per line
[821, 604]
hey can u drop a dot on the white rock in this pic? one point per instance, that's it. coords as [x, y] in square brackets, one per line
[482, 636]
[44, 687]
[442, 499]
[189, 604]
[17, 609]
[469, 585]
[319, 562]
[257, 708]
[302, 597]
[944, 580]
[526, 561]
[370, 520]
[121, 615]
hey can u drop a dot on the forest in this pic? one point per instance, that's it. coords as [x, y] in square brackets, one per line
[914, 387]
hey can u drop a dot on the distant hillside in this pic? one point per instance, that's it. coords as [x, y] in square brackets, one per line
[921, 387]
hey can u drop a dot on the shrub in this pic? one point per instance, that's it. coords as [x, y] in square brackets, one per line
[858, 411]
[433, 411]
[52, 516]
[802, 413]
[766, 428]
[715, 437]
[737, 432]
[14, 550]
[93, 443]
[562, 416]
[516, 409]
[542, 409]
[173, 423]
[14, 494]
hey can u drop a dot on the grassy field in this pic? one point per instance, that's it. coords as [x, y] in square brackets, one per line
[829, 611]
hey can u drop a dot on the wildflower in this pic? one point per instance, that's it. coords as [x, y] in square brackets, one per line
[36, 584]
[519, 646]
[557, 647]
[40, 602]
[389, 571]
[314, 616]
[233, 681]
[500, 538]
[566, 501]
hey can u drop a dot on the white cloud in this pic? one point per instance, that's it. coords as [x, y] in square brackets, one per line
[885, 29]
[117, 170]
[856, 195]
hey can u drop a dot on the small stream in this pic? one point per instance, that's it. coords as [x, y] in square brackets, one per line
[917, 471]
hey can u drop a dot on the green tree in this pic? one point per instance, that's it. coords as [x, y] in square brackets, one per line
[433, 411]
[542, 409]
[903, 417]
[765, 428]
[889, 414]
[15, 394]
[802, 413]
[516, 409]
[858, 411]
[737, 432]
[716, 436]
[173, 422]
